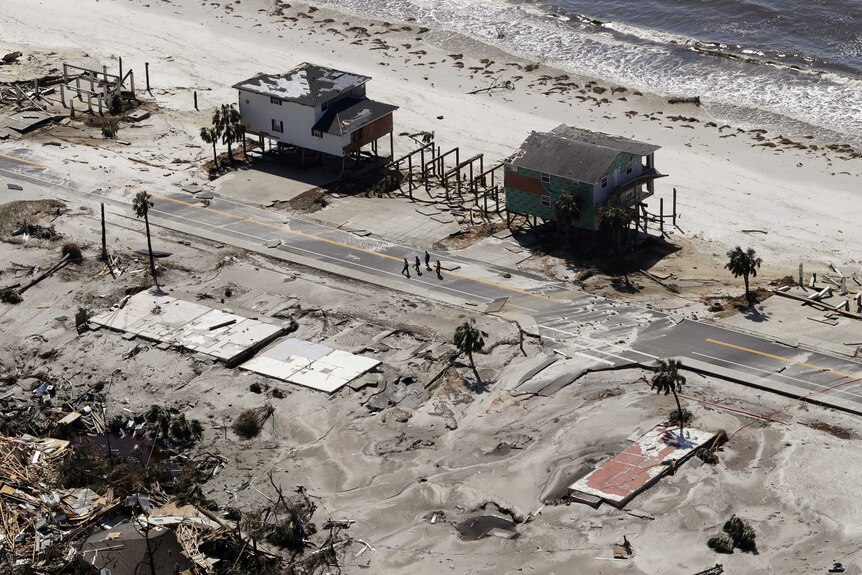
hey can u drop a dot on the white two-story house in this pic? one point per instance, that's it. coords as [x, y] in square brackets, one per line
[314, 108]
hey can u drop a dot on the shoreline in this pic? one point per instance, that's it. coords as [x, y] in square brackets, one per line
[717, 168]
[562, 58]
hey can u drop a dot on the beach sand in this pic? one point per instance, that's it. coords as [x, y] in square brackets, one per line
[794, 483]
[728, 179]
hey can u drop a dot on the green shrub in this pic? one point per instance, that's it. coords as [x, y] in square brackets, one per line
[742, 534]
[687, 417]
[721, 544]
[110, 130]
[10, 295]
[737, 534]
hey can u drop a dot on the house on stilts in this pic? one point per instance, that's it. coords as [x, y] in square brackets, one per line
[598, 169]
[315, 109]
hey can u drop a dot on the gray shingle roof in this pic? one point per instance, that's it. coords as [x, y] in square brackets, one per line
[625, 145]
[575, 154]
[350, 114]
[307, 84]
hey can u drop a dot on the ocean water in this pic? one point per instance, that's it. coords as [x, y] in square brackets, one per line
[794, 65]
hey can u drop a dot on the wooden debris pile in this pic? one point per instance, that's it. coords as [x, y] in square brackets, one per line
[33, 514]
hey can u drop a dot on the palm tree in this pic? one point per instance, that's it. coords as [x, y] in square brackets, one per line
[229, 125]
[141, 205]
[240, 134]
[469, 339]
[567, 209]
[743, 263]
[217, 123]
[211, 136]
[615, 220]
[668, 379]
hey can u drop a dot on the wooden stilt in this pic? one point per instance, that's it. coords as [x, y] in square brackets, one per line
[674, 207]
[661, 215]
[410, 175]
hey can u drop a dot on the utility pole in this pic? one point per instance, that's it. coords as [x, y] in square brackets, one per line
[104, 239]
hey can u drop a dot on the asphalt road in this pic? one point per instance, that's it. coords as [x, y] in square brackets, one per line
[603, 333]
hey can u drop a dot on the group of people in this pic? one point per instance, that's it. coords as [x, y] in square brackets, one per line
[405, 271]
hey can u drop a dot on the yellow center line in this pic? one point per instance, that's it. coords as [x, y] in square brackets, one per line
[23, 161]
[781, 358]
[281, 228]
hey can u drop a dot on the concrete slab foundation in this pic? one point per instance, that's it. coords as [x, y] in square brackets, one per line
[310, 364]
[619, 479]
[224, 336]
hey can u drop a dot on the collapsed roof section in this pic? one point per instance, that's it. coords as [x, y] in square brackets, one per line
[307, 84]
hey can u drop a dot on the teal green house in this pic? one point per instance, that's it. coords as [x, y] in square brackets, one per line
[596, 168]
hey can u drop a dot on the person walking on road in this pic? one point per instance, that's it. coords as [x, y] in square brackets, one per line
[418, 267]
[427, 261]
[437, 267]
[405, 271]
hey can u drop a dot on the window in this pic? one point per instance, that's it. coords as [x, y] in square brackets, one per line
[278, 126]
[275, 101]
[512, 168]
[546, 201]
[324, 106]
[317, 133]
[604, 182]
[629, 168]
[546, 178]
[246, 100]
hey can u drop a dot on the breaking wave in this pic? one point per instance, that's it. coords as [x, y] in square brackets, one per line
[741, 83]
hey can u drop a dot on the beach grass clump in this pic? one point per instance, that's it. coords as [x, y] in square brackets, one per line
[250, 422]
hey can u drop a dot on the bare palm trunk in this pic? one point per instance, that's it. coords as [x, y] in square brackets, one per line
[229, 154]
[679, 414]
[151, 554]
[150, 249]
[473, 365]
[215, 155]
[747, 294]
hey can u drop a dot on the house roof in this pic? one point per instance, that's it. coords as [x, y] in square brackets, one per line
[123, 550]
[625, 145]
[349, 114]
[574, 153]
[307, 84]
